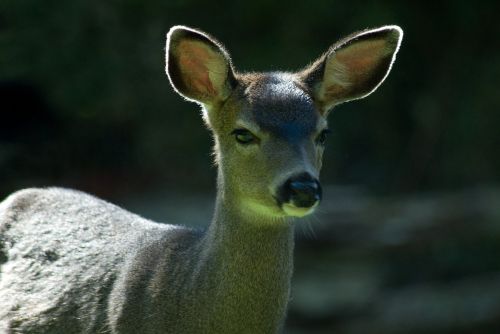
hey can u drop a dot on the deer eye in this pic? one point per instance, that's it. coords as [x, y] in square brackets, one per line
[243, 136]
[321, 138]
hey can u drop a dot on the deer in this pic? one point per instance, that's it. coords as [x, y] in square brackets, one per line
[73, 263]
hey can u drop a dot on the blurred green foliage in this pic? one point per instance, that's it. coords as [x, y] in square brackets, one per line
[91, 73]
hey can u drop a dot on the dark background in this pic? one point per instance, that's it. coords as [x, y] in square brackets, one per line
[408, 237]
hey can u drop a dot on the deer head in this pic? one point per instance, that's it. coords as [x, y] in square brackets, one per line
[270, 128]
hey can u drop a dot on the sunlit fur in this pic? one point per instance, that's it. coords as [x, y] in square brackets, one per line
[72, 263]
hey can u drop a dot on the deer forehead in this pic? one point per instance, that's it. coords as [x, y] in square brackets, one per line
[277, 105]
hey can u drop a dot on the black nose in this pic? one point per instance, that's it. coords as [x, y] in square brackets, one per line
[302, 190]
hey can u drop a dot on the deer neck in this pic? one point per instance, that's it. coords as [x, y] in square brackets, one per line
[249, 261]
[260, 240]
[237, 236]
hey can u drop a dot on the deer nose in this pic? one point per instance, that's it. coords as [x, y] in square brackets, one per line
[303, 191]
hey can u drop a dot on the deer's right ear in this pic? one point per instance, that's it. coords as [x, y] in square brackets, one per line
[197, 66]
[354, 67]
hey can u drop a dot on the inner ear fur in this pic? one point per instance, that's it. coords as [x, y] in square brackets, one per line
[354, 67]
[198, 66]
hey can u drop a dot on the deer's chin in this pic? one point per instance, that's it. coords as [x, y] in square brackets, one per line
[266, 210]
[277, 210]
[294, 211]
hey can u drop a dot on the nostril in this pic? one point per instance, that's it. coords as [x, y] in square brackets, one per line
[303, 191]
[303, 186]
[304, 194]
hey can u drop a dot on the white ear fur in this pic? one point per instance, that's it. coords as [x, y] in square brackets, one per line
[392, 52]
[198, 67]
[355, 67]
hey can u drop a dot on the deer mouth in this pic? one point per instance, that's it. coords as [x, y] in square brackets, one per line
[299, 195]
[296, 211]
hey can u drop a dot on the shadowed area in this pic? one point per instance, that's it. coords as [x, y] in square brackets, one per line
[280, 107]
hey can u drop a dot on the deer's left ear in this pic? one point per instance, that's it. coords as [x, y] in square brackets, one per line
[354, 67]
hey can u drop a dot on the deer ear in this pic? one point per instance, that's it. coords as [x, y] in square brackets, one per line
[197, 66]
[354, 67]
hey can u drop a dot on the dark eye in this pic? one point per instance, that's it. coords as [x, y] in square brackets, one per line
[321, 138]
[244, 136]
